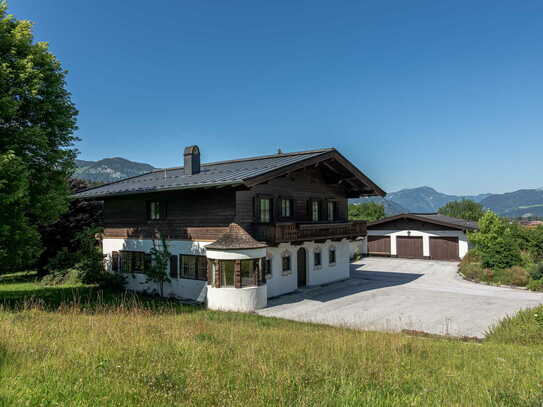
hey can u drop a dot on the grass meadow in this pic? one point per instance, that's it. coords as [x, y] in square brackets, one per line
[78, 346]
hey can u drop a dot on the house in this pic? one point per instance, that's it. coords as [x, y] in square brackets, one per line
[419, 235]
[238, 231]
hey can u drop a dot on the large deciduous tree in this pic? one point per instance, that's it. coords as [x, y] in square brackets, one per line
[37, 122]
[464, 209]
[368, 211]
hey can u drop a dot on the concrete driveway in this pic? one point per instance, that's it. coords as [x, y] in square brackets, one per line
[396, 294]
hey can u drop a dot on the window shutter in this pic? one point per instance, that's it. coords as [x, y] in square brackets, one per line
[173, 266]
[148, 210]
[163, 206]
[148, 261]
[256, 208]
[115, 261]
[309, 210]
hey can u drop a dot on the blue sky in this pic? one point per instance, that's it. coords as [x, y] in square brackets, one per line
[445, 94]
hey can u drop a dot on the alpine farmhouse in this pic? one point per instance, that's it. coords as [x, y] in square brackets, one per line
[238, 231]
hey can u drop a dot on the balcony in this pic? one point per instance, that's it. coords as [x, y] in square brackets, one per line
[297, 232]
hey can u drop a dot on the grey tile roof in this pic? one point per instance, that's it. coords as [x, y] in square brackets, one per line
[447, 219]
[211, 174]
[434, 218]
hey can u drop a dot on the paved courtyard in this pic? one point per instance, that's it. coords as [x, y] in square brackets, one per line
[396, 294]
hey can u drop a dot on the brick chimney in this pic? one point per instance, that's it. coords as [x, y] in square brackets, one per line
[192, 160]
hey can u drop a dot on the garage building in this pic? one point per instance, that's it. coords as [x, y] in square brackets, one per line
[419, 236]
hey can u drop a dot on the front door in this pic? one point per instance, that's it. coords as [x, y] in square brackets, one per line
[302, 267]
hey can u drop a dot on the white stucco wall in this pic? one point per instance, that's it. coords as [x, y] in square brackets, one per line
[245, 299]
[462, 239]
[279, 283]
[282, 282]
[357, 246]
[178, 288]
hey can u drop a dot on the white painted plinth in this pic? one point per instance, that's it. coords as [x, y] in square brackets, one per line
[247, 299]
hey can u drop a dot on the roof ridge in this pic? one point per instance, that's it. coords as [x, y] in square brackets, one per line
[254, 158]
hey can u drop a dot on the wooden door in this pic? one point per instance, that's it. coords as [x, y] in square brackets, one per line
[409, 247]
[302, 267]
[379, 245]
[444, 248]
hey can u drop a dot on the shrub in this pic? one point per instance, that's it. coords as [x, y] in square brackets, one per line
[471, 257]
[496, 243]
[70, 276]
[519, 276]
[535, 285]
[536, 271]
[472, 271]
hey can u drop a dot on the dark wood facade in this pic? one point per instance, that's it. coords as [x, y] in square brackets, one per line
[204, 214]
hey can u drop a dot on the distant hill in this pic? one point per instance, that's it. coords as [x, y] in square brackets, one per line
[109, 169]
[422, 200]
[522, 203]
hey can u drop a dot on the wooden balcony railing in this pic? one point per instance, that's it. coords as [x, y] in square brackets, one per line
[297, 232]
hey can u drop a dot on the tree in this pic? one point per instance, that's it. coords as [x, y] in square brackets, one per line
[157, 271]
[495, 243]
[368, 211]
[464, 209]
[64, 234]
[37, 121]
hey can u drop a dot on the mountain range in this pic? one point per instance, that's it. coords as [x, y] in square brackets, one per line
[521, 203]
[109, 169]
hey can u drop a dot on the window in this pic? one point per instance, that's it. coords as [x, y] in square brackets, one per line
[156, 210]
[249, 272]
[315, 209]
[227, 273]
[264, 210]
[332, 255]
[133, 262]
[331, 210]
[194, 267]
[317, 257]
[174, 263]
[286, 262]
[286, 208]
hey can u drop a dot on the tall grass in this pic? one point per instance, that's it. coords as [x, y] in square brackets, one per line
[128, 353]
[80, 346]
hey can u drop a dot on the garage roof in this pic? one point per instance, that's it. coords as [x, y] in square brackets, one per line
[434, 218]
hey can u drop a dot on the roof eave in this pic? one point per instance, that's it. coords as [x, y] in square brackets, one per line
[422, 219]
[150, 191]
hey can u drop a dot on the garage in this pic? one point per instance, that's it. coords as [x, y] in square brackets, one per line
[409, 247]
[379, 245]
[430, 236]
[444, 248]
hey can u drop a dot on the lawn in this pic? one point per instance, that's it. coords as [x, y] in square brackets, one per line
[77, 346]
